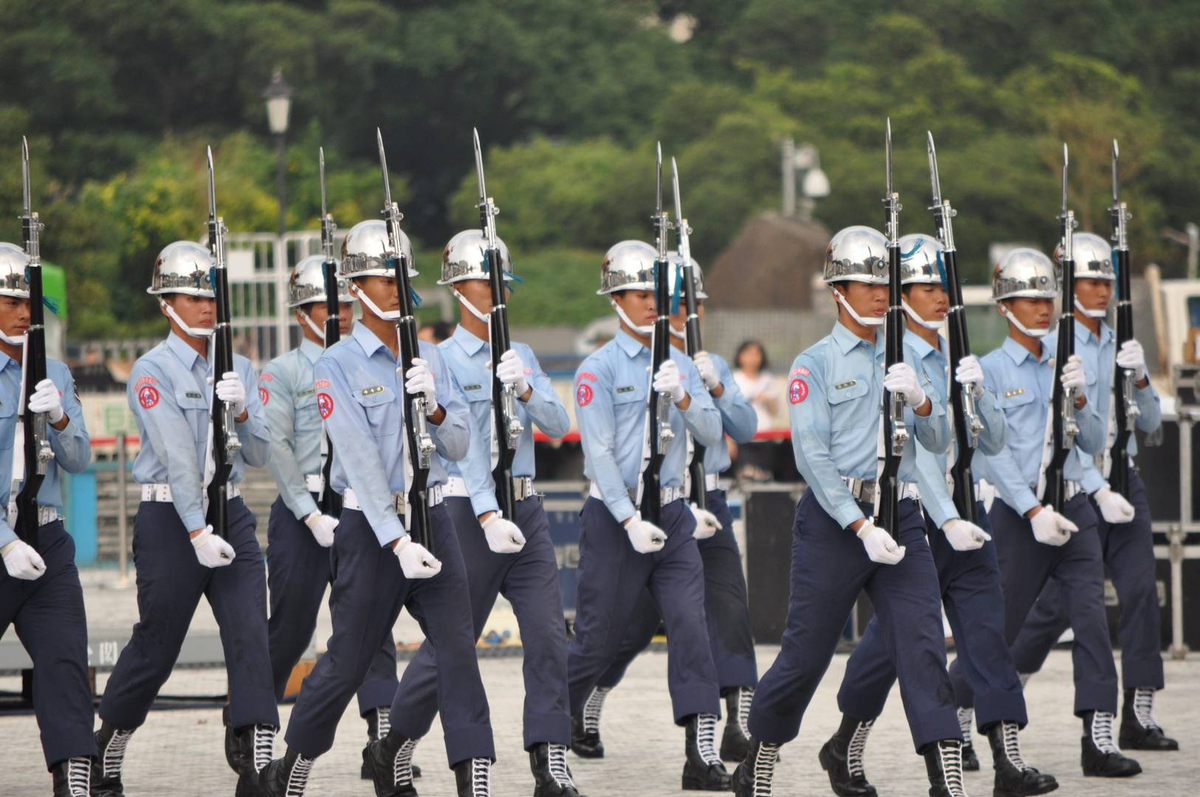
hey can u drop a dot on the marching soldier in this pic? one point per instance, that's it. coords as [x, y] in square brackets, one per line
[1124, 521]
[510, 556]
[725, 605]
[1034, 543]
[40, 592]
[378, 569]
[835, 392]
[620, 553]
[298, 534]
[966, 565]
[178, 555]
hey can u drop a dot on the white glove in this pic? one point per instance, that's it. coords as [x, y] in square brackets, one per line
[45, 399]
[964, 535]
[419, 379]
[322, 527]
[901, 378]
[231, 391]
[1073, 375]
[881, 548]
[708, 371]
[1114, 507]
[668, 380]
[503, 536]
[969, 374]
[1132, 356]
[706, 522]
[1051, 528]
[511, 371]
[211, 550]
[21, 561]
[644, 536]
[415, 561]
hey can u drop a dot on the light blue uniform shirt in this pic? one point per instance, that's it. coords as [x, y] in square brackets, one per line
[1023, 387]
[468, 359]
[72, 447]
[361, 398]
[611, 395]
[290, 401]
[835, 396]
[1099, 355]
[169, 394]
[738, 418]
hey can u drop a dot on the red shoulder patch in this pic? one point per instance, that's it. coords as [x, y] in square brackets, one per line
[588, 375]
[148, 397]
[266, 377]
[584, 395]
[325, 405]
[320, 383]
[145, 380]
[800, 370]
[797, 391]
[264, 396]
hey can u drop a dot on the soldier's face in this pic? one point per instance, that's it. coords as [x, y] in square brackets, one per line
[197, 312]
[638, 305]
[14, 316]
[478, 293]
[319, 313]
[1093, 294]
[930, 302]
[866, 299]
[679, 317]
[1033, 313]
[381, 291]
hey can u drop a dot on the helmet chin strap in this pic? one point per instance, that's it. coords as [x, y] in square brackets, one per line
[676, 333]
[1090, 313]
[195, 332]
[386, 315]
[470, 308]
[866, 322]
[1041, 332]
[13, 340]
[646, 330]
[320, 333]
[912, 314]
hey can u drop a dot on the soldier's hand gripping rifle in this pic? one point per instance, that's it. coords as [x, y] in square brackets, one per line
[660, 432]
[895, 434]
[416, 409]
[330, 502]
[225, 443]
[967, 423]
[699, 494]
[1125, 408]
[36, 453]
[504, 395]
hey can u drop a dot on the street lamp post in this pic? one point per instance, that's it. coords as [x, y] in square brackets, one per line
[278, 95]
[804, 161]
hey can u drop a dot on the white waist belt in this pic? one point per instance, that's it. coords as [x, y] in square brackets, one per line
[162, 492]
[711, 482]
[399, 500]
[456, 487]
[666, 494]
[314, 483]
[46, 514]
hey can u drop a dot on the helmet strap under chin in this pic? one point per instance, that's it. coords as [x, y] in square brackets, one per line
[1033, 333]
[866, 322]
[646, 330]
[912, 314]
[388, 315]
[195, 332]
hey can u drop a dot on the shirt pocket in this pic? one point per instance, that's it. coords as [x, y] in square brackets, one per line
[381, 408]
[8, 429]
[192, 403]
[1020, 408]
[629, 409]
[846, 408]
[308, 417]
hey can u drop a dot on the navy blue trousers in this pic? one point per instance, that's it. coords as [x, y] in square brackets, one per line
[1025, 567]
[612, 579]
[369, 590]
[170, 583]
[298, 570]
[725, 608]
[49, 619]
[974, 603]
[829, 569]
[1129, 555]
[529, 580]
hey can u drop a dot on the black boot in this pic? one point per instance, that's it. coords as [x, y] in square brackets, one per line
[585, 728]
[388, 762]
[1101, 756]
[842, 758]
[702, 769]
[287, 776]
[234, 755]
[943, 762]
[735, 741]
[966, 722]
[551, 775]
[754, 776]
[1139, 731]
[72, 777]
[474, 777]
[106, 766]
[256, 746]
[1014, 778]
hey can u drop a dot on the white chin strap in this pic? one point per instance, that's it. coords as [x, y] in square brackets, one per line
[1090, 313]
[912, 314]
[470, 307]
[1033, 333]
[13, 340]
[677, 333]
[320, 333]
[646, 330]
[866, 322]
[389, 315]
[195, 332]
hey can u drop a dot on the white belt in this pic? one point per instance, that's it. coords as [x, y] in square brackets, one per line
[46, 514]
[162, 492]
[864, 489]
[711, 482]
[399, 500]
[1071, 489]
[455, 487]
[666, 494]
[314, 482]
[909, 490]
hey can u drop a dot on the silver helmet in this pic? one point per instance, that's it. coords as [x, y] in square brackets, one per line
[13, 266]
[307, 284]
[183, 267]
[628, 266]
[1024, 273]
[921, 261]
[365, 248]
[1093, 256]
[857, 254]
[675, 278]
[464, 258]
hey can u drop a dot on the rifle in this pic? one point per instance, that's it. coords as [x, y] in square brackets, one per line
[37, 452]
[225, 443]
[504, 412]
[330, 502]
[699, 495]
[895, 435]
[416, 421]
[1063, 427]
[659, 405]
[967, 423]
[1125, 408]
